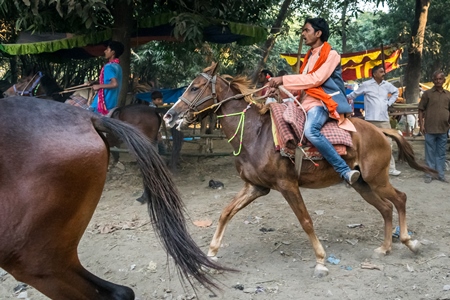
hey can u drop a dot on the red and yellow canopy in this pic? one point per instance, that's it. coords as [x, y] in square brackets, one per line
[357, 65]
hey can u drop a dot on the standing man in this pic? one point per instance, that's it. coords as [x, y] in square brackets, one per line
[378, 96]
[323, 91]
[110, 81]
[434, 119]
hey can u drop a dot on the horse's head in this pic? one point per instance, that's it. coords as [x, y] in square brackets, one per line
[199, 95]
[26, 86]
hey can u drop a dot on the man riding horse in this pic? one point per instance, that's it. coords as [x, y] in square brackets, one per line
[323, 92]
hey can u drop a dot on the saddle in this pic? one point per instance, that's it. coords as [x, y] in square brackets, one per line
[288, 121]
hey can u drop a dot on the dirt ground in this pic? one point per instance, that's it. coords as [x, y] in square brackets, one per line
[265, 241]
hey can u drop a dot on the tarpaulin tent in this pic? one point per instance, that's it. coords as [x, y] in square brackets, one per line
[358, 65]
[156, 27]
[169, 95]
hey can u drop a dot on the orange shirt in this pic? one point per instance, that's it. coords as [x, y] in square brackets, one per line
[304, 81]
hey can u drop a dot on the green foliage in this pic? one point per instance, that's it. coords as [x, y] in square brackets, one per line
[56, 15]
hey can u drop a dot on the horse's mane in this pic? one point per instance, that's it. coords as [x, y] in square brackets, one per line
[50, 85]
[241, 84]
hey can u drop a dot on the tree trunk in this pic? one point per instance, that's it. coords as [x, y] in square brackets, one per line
[344, 26]
[412, 74]
[123, 22]
[271, 40]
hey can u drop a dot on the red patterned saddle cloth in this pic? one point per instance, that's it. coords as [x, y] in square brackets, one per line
[288, 121]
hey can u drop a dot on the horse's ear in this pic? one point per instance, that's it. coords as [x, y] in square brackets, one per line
[214, 68]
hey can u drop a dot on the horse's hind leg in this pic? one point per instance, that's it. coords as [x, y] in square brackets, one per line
[381, 197]
[245, 196]
[384, 207]
[73, 282]
[399, 202]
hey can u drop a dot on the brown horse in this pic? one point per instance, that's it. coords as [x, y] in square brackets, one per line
[262, 168]
[53, 166]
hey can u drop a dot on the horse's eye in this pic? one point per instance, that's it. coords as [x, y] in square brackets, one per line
[193, 89]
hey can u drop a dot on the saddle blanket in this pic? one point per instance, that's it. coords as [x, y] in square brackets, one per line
[288, 121]
[78, 101]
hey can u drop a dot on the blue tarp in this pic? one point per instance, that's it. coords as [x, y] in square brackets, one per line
[172, 95]
[169, 95]
[358, 102]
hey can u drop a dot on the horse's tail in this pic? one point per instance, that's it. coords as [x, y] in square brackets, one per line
[406, 152]
[164, 203]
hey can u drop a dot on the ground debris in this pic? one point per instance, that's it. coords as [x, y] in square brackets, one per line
[370, 266]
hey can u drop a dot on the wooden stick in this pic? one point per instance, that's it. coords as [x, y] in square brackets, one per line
[74, 90]
[77, 86]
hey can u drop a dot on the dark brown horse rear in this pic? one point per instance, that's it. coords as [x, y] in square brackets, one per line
[262, 168]
[53, 164]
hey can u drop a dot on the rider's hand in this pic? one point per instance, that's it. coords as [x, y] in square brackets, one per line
[275, 82]
[273, 92]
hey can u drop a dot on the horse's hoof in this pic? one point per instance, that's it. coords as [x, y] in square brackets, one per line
[414, 246]
[380, 252]
[141, 200]
[213, 258]
[320, 271]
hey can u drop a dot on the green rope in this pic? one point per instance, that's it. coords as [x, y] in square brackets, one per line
[239, 127]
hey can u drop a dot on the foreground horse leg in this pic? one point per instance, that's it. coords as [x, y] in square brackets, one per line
[73, 282]
[245, 196]
[294, 198]
[50, 217]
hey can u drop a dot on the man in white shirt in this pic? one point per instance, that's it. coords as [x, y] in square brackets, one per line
[378, 96]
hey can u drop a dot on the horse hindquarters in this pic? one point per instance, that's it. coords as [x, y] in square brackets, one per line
[48, 202]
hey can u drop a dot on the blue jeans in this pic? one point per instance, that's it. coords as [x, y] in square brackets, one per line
[316, 118]
[435, 144]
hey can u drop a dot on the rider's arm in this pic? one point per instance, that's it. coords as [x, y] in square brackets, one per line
[315, 79]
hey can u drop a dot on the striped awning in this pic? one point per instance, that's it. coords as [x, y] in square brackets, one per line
[358, 65]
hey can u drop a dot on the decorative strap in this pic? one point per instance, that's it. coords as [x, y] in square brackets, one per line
[240, 127]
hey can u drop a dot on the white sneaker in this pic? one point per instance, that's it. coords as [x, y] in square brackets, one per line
[352, 176]
[394, 172]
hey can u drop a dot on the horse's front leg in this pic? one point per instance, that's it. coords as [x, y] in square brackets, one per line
[245, 196]
[292, 195]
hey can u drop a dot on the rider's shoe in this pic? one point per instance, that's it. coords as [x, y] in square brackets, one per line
[352, 176]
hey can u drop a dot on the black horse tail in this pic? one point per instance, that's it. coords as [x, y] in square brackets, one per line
[164, 204]
[406, 152]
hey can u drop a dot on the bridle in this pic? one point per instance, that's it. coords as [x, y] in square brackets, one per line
[192, 105]
[35, 83]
